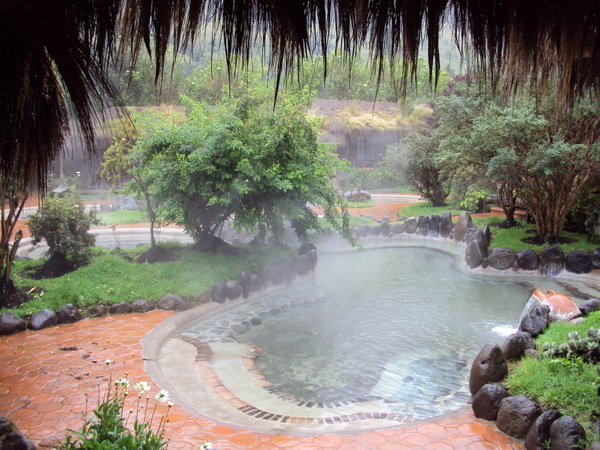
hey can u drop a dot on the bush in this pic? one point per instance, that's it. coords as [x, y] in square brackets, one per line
[64, 225]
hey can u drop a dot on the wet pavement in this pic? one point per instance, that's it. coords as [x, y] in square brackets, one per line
[45, 376]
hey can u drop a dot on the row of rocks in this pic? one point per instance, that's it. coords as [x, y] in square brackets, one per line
[284, 272]
[434, 226]
[519, 416]
[11, 323]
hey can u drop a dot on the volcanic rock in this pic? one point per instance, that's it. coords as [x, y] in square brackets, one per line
[516, 416]
[528, 260]
[434, 225]
[172, 302]
[68, 314]
[10, 323]
[410, 225]
[446, 224]
[535, 319]
[552, 261]
[539, 433]
[43, 319]
[489, 366]
[566, 433]
[486, 402]
[463, 223]
[142, 305]
[502, 258]
[578, 262]
[120, 308]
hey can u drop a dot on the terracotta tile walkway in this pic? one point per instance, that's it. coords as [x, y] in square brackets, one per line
[44, 376]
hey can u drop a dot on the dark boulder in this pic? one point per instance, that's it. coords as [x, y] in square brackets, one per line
[487, 232]
[423, 225]
[120, 308]
[68, 314]
[244, 278]
[302, 265]
[596, 259]
[384, 229]
[446, 224]
[365, 230]
[486, 402]
[434, 225]
[265, 272]
[539, 433]
[256, 283]
[375, 230]
[502, 258]
[528, 260]
[552, 261]
[397, 228]
[43, 319]
[313, 256]
[172, 302]
[305, 248]
[10, 323]
[284, 272]
[142, 305]
[578, 262]
[218, 293]
[473, 257]
[463, 223]
[515, 345]
[566, 433]
[489, 366]
[516, 416]
[591, 305]
[98, 311]
[482, 242]
[11, 438]
[535, 320]
[233, 289]
[410, 225]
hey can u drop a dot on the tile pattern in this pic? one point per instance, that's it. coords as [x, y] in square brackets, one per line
[45, 375]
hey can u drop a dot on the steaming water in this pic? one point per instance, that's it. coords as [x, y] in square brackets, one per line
[399, 324]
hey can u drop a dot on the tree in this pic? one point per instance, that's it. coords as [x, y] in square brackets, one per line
[246, 160]
[13, 201]
[64, 225]
[541, 153]
[414, 156]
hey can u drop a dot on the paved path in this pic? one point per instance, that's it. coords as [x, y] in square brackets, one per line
[44, 376]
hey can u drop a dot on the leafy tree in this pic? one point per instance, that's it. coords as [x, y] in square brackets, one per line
[414, 156]
[246, 159]
[541, 153]
[64, 225]
[13, 201]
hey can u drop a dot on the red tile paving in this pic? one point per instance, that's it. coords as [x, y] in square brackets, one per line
[44, 376]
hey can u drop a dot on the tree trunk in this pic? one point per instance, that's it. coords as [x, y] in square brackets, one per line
[508, 202]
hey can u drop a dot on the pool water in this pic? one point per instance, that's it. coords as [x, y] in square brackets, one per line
[399, 325]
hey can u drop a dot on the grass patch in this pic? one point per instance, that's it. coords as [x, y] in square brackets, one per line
[111, 278]
[122, 217]
[568, 386]
[365, 204]
[425, 209]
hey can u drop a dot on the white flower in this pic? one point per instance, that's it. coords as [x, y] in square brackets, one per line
[206, 446]
[142, 387]
[162, 396]
[123, 382]
[108, 362]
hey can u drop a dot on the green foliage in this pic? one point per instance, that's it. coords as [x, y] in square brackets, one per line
[64, 225]
[369, 178]
[565, 376]
[242, 158]
[415, 157]
[426, 209]
[124, 216]
[474, 200]
[108, 427]
[112, 278]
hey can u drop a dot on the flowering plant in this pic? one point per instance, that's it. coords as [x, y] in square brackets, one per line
[108, 428]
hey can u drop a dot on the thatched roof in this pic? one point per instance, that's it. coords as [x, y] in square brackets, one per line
[54, 54]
